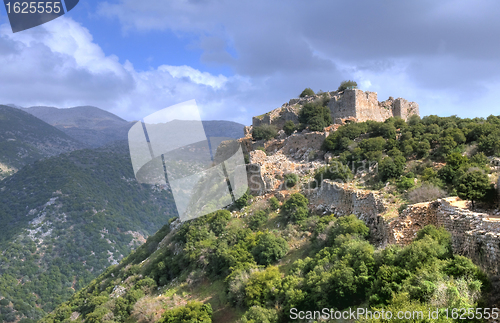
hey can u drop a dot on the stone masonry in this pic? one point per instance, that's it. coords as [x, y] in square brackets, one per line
[353, 104]
[474, 235]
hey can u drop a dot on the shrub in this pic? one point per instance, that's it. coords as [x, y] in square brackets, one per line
[422, 148]
[346, 132]
[372, 144]
[307, 92]
[289, 127]
[350, 225]
[336, 171]
[405, 183]
[473, 186]
[347, 84]
[263, 287]
[242, 201]
[479, 160]
[425, 193]
[265, 132]
[490, 144]
[391, 167]
[291, 180]
[295, 208]
[274, 203]
[192, 312]
[257, 314]
[385, 130]
[316, 116]
[269, 249]
[219, 221]
[258, 219]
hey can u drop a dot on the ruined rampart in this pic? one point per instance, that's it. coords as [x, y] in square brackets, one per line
[474, 235]
[348, 104]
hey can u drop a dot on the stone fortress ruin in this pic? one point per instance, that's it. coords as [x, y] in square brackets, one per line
[350, 104]
[474, 234]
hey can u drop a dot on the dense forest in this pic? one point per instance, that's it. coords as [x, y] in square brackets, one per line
[64, 220]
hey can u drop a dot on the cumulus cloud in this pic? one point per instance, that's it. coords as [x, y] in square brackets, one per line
[59, 64]
[439, 54]
[421, 50]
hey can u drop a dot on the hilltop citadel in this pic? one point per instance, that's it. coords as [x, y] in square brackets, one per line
[350, 104]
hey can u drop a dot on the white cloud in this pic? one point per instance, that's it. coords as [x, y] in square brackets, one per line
[194, 75]
[446, 63]
[58, 64]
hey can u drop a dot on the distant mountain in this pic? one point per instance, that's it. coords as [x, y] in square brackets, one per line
[64, 219]
[95, 127]
[90, 125]
[24, 139]
[220, 128]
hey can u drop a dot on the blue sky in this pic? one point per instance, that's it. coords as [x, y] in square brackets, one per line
[243, 58]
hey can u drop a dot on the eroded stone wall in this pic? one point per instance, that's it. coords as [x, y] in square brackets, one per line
[404, 109]
[343, 199]
[349, 104]
[474, 235]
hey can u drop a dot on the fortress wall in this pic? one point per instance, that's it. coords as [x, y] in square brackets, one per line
[351, 103]
[341, 199]
[367, 107]
[404, 109]
[474, 235]
[343, 106]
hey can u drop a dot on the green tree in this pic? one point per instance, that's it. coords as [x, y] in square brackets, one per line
[259, 218]
[257, 314]
[391, 167]
[289, 127]
[274, 204]
[269, 249]
[193, 312]
[242, 201]
[335, 171]
[291, 180]
[265, 132]
[219, 221]
[315, 116]
[473, 185]
[263, 287]
[295, 208]
[347, 84]
[307, 92]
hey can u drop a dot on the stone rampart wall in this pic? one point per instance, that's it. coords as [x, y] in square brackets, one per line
[474, 235]
[351, 103]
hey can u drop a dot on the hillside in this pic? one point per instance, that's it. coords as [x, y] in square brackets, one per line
[90, 125]
[24, 139]
[341, 218]
[95, 127]
[64, 219]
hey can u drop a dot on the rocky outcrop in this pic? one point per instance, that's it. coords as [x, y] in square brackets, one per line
[268, 171]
